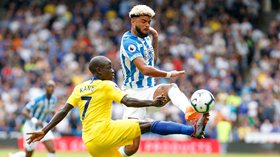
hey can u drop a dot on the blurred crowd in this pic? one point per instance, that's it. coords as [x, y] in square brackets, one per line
[217, 43]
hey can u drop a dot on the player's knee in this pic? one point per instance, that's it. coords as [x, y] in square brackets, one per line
[145, 127]
[162, 89]
[29, 148]
[51, 149]
[132, 149]
[173, 85]
[167, 87]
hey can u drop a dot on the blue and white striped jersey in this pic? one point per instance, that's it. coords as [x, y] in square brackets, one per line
[133, 47]
[40, 107]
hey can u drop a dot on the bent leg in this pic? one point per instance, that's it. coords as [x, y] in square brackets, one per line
[167, 128]
[145, 127]
[162, 90]
[28, 153]
[132, 149]
[102, 151]
[122, 133]
[179, 99]
[49, 144]
[29, 148]
[134, 113]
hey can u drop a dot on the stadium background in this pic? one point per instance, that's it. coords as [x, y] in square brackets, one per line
[230, 47]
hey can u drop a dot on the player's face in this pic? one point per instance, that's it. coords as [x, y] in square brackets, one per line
[107, 71]
[142, 25]
[50, 89]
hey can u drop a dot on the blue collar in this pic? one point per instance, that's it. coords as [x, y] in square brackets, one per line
[94, 78]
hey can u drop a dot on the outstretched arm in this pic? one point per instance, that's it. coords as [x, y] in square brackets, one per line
[132, 102]
[38, 135]
[154, 72]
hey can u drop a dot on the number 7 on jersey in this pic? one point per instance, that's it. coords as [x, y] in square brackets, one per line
[87, 98]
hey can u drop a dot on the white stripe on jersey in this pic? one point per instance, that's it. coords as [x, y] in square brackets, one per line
[136, 76]
[132, 47]
[127, 64]
[40, 107]
[145, 82]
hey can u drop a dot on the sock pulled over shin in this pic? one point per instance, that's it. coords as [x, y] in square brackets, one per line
[178, 98]
[167, 128]
[51, 154]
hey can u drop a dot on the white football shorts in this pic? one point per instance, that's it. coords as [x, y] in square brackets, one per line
[30, 127]
[141, 94]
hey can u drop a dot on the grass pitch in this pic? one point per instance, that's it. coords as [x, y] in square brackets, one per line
[4, 153]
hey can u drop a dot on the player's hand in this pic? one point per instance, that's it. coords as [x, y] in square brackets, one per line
[153, 32]
[176, 73]
[35, 136]
[160, 101]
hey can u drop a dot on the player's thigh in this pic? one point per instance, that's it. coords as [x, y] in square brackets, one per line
[101, 151]
[141, 94]
[134, 113]
[162, 89]
[49, 144]
[28, 127]
[48, 136]
[122, 132]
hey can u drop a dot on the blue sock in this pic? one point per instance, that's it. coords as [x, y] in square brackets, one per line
[166, 128]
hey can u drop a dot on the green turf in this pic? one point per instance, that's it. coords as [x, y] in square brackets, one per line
[4, 153]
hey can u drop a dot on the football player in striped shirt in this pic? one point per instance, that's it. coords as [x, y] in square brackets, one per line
[36, 113]
[138, 54]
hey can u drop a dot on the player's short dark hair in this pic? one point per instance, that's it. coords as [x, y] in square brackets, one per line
[95, 62]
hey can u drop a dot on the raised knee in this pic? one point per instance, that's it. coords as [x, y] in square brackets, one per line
[173, 85]
[131, 150]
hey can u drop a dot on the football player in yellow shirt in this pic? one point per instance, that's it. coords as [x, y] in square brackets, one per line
[102, 135]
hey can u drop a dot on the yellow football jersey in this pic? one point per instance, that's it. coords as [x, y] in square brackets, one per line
[94, 100]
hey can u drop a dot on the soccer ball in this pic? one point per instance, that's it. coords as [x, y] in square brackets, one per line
[202, 101]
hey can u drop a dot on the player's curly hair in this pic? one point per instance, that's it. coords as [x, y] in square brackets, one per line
[50, 83]
[140, 10]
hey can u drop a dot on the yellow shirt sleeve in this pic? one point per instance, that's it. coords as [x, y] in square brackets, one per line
[74, 98]
[115, 92]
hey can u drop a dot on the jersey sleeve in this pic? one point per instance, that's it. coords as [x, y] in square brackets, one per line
[74, 98]
[131, 49]
[115, 92]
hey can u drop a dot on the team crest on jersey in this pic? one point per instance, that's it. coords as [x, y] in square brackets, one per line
[132, 48]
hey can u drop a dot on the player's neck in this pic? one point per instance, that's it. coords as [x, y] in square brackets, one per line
[48, 96]
[134, 32]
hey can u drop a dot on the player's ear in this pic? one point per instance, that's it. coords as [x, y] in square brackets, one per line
[98, 70]
[133, 20]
